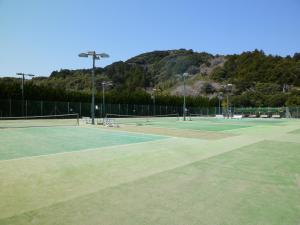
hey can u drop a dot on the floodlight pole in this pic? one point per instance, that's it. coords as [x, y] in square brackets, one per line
[227, 105]
[219, 98]
[219, 106]
[103, 100]
[154, 110]
[93, 89]
[95, 56]
[228, 90]
[184, 94]
[22, 87]
[104, 83]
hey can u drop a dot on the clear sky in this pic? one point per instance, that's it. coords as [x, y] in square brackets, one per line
[39, 36]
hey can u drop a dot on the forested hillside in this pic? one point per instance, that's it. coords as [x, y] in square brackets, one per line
[258, 80]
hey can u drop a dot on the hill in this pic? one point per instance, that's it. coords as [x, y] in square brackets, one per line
[258, 79]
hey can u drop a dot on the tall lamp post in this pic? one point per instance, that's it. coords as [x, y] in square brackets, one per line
[22, 87]
[95, 56]
[153, 97]
[220, 97]
[104, 83]
[228, 89]
[184, 95]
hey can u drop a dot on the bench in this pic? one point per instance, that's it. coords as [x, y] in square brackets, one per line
[276, 116]
[219, 116]
[264, 116]
[252, 116]
[87, 120]
[237, 117]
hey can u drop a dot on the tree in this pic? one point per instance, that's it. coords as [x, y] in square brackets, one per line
[207, 88]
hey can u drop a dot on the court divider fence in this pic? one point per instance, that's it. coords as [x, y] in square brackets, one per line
[13, 108]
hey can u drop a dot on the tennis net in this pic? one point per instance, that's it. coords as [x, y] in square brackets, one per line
[39, 121]
[138, 120]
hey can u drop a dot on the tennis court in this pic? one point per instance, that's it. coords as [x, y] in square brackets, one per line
[150, 171]
[35, 141]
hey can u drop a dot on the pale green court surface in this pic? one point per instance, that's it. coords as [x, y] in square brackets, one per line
[250, 178]
[199, 123]
[35, 141]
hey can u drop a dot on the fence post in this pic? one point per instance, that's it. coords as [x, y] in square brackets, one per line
[10, 107]
[41, 108]
[80, 109]
[26, 108]
[68, 107]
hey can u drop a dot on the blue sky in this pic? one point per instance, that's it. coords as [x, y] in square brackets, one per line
[39, 36]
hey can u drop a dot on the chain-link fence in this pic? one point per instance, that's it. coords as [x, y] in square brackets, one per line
[15, 108]
[10, 107]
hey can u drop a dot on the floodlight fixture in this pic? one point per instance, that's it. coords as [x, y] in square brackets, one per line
[83, 55]
[103, 55]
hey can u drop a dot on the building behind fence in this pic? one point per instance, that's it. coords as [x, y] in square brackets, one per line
[16, 108]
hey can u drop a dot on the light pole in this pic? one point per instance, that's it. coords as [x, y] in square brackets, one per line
[95, 57]
[153, 97]
[220, 97]
[184, 94]
[228, 89]
[104, 83]
[22, 87]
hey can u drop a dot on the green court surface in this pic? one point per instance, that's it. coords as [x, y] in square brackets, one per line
[35, 141]
[199, 125]
[111, 177]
